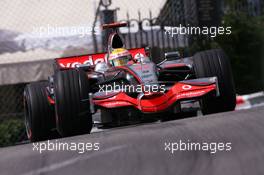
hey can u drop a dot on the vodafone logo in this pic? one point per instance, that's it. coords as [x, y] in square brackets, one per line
[186, 87]
[115, 104]
[191, 94]
[76, 61]
[87, 61]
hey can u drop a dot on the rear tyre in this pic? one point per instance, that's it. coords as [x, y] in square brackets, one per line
[39, 113]
[215, 63]
[73, 116]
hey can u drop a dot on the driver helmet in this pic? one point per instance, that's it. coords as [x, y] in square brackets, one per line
[120, 57]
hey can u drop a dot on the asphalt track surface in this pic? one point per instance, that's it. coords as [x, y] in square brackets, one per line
[141, 149]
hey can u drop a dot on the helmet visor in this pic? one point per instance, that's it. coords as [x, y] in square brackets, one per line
[121, 61]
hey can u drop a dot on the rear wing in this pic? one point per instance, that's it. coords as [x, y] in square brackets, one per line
[114, 25]
[92, 59]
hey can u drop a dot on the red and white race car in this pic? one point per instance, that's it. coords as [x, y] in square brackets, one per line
[82, 85]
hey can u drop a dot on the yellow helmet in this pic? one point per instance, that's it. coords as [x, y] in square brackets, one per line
[119, 57]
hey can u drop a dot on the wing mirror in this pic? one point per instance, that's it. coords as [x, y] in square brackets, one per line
[172, 56]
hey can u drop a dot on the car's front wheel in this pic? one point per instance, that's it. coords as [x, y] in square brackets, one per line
[39, 113]
[73, 116]
[215, 63]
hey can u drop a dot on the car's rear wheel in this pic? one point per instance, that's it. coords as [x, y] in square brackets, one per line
[73, 116]
[215, 63]
[39, 113]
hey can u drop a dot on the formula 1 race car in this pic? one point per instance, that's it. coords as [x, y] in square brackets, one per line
[135, 92]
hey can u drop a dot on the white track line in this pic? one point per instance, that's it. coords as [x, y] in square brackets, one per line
[68, 162]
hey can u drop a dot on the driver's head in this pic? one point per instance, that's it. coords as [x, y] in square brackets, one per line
[119, 57]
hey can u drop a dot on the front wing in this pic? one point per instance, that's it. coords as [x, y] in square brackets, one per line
[180, 91]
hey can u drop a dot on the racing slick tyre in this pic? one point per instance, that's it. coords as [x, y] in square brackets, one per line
[39, 113]
[73, 116]
[215, 63]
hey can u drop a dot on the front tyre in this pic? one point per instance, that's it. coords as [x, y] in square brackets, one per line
[215, 63]
[73, 116]
[39, 113]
